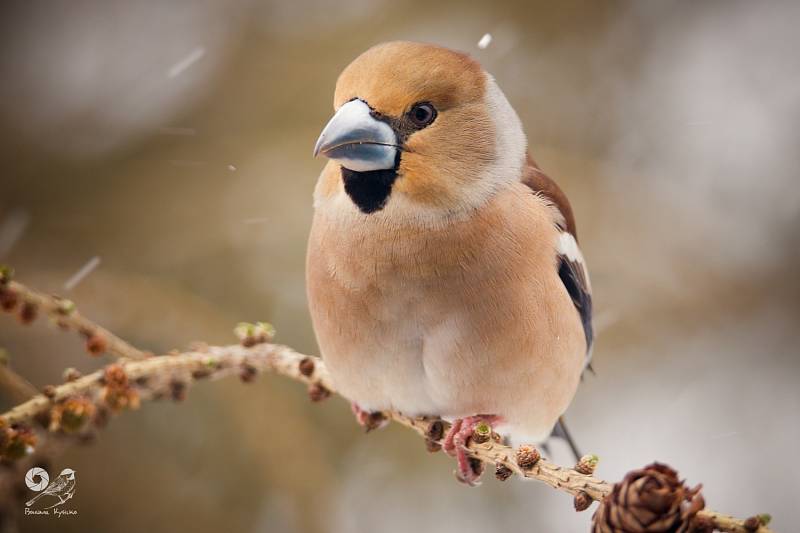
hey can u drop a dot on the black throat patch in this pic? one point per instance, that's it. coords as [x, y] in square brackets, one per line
[369, 190]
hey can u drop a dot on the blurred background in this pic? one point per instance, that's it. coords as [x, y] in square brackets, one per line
[173, 141]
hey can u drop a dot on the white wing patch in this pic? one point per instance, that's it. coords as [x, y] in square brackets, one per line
[569, 247]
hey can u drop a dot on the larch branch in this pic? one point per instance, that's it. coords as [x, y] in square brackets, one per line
[135, 375]
[220, 361]
[66, 315]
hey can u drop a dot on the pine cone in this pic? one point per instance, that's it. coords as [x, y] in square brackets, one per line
[650, 500]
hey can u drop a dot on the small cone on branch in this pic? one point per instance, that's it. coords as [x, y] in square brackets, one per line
[650, 500]
[527, 456]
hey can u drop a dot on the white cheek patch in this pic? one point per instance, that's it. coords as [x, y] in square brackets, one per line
[508, 144]
[510, 141]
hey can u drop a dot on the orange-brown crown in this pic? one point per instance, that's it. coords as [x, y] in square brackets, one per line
[393, 76]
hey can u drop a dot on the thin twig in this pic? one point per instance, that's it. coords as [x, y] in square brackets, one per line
[64, 313]
[17, 387]
[219, 361]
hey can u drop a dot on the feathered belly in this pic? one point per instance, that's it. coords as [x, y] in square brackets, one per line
[430, 351]
[383, 364]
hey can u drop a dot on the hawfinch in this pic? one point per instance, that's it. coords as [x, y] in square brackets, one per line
[443, 273]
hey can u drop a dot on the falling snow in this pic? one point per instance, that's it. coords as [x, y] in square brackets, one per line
[82, 273]
[194, 56]
[12, 228]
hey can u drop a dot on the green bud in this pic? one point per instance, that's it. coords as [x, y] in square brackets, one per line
[6, 273]
[66, 307]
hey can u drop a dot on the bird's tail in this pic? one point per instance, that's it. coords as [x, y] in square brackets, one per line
[30, 502]
[560, 431]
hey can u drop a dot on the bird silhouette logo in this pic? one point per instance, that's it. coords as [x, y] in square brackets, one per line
[57, 492]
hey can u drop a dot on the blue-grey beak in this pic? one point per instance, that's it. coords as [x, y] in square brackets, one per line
[358, 141]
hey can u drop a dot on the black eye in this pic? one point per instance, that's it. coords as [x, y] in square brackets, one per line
[422, 114]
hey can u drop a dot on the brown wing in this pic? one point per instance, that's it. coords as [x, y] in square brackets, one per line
[540, 182]
[571, 266]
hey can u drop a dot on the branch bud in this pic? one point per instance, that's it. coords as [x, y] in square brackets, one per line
[587, 464]
[8, 299]
[502, 472]
[251, 334]
[247, 373]
[755, 522]
[306, 366]
[71, 374]
[65, 307]
[317, 392]
[28, 312]
[6, 274]
[582, 501]
[527, 456]
[482, 433]
[96, 344]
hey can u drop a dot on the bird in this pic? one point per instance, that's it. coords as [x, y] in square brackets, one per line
[443, 272]
[62, 487]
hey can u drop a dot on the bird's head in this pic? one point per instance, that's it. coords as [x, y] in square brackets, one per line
[68, 473]
[420, 132]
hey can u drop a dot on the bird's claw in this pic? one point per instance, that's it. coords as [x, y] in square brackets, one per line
[456, 441]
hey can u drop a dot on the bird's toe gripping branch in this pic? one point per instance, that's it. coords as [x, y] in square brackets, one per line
[476, 428]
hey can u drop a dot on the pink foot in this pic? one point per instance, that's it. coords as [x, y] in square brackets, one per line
[456, 441]
[368, 420]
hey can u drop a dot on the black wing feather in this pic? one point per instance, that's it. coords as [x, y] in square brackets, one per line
[573, 276]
